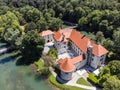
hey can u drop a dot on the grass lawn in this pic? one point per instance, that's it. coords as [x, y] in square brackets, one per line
[65, 26]
[61, 86]
[41, 66]
[83, 82]
[88, 35]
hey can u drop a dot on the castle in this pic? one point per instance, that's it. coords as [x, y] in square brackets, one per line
[87, 51]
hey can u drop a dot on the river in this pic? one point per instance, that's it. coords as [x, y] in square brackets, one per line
[14, 77]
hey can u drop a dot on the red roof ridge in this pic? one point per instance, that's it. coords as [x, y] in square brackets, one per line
[98, 49]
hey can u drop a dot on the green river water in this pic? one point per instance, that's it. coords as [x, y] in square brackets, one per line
[14, 77]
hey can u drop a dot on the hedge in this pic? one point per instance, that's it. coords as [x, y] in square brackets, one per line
[92, 77]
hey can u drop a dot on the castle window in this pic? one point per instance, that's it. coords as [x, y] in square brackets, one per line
[101, 59]
[64, 42]
[92, 59]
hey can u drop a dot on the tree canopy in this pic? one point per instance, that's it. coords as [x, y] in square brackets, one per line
[32, 46]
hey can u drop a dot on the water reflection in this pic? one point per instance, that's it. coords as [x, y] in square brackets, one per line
[20, 78]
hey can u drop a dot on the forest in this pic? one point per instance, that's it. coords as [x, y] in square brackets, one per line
[99, 19]
[22, 20]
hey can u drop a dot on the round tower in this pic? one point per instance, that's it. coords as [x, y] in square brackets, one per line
[67, 68]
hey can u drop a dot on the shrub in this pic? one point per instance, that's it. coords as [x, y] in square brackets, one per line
[41, 67]
[53, 52]
[92, 77]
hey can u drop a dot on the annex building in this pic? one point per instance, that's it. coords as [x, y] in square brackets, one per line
[85, 50]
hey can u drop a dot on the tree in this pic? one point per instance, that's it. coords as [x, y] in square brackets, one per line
[49, 61]
[33, 15]
[55, 24]
[114, 67]
[42, 25]
[112, 84]
[107, 43]
[30, 26]
[116, 40]
[4, 9]
[9, 20]
[32, 46]
[12, 36]
[99, 36]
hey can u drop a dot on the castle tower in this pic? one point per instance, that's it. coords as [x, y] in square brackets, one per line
[67, 68]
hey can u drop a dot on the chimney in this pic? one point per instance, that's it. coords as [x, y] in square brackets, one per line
[83, 36]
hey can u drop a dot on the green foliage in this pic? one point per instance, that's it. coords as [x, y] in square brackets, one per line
[9, 20]
[114, 67]
[93, 78]
[52, 80]
[55, 24]
[4, 9]
[41, 67]
[105, 75]
[30, 26]
[12, 36]
[53, 52]
[99, 36]
[89, 35]
[49, 61]
[42, 25]
[103, 78]
[116, 40]
[83, 82]
[112, 84]
[32, 46]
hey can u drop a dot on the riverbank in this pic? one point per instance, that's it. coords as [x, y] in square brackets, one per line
[36, 68]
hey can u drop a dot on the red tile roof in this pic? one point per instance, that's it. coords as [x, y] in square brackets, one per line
[67, 65]
[98, 50]
[46, 32]
[62, 34]
[77, 59]
[79, 40]
[58, 36]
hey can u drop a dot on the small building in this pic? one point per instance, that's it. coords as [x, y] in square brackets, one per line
[47, 35]
[87, 51]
